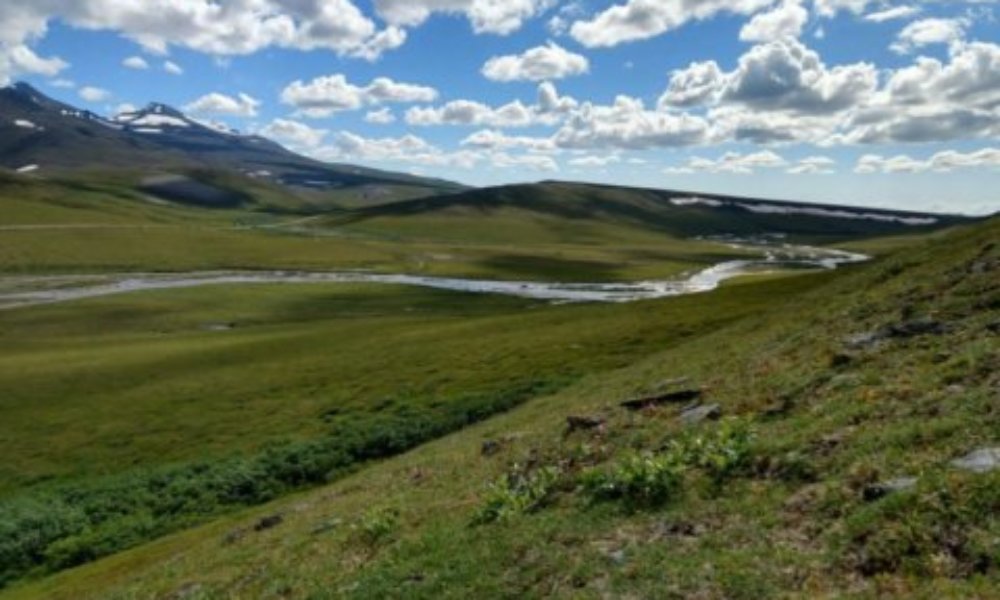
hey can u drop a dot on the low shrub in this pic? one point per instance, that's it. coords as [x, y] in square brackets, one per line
[517, 494]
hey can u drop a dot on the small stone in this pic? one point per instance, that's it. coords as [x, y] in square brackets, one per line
[983, 460]
[268, 522]
[705, 412]
[617, 557]
[575, 423]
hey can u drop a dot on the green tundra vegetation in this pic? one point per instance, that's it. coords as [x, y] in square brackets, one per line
[371, 441]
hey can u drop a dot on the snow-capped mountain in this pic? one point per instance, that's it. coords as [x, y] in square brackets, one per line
[45, 134]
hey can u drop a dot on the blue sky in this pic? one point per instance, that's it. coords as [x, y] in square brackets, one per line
[848, 101]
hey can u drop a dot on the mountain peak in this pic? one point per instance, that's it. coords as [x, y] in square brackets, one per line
[158, 108]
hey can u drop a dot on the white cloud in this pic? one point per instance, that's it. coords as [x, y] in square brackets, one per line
[326, 95]
[125, 107]
[63, 83]
[215, 103]
[593, 161]
[643, 19]
[789, 76]
[94, 94]
[891, 14]
[735, 162]
[409, 148]
[491, 139]
[929, 31]
[234, 27]
[549, 101]
[537, 64]
[173, 68]
[294, 133]
[814, 165]
[829, 8]
[20, 60]
[469, 112]
[699, 83]
[784, 21]
[486, 16]
[949, 160]
[382, 116]
[627, 124]
[135, 62]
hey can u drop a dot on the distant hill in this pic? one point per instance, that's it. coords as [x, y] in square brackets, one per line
[676, 213]
[40, 134]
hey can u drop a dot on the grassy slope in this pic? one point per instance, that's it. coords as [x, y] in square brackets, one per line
[140, 379]
[792, 521]
[87, 227]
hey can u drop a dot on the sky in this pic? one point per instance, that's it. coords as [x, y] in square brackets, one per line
[862, 102]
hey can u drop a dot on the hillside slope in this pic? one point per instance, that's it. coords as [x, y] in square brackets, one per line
[830, 473]
[676, 213]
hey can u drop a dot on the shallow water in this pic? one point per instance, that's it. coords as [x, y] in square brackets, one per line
[17, 292]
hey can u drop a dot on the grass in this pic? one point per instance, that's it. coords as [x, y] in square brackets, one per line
[130, 418]
[793, 520]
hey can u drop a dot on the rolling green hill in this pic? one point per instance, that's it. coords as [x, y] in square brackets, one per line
[833, 389]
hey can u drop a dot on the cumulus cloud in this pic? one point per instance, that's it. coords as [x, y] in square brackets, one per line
[699, 83]
[785, 20]
[19, 60]
[929, 31]
[787, 75]
[829, 8]
[491, 139]
[382, 116]
[216, 104]
[548, 62]
[486, 16]
[234, 27]
[813, 165]
[135, 62]
[627, 124]
[294, 133]
[414, 150]
[737, 163]
[934, 100]
[94, 94]
[326, 95]
[469, 112]
[949, 160]
[643, 19]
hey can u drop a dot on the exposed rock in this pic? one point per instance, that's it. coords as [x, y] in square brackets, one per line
[268, 522]
[679, 529]
[881, 489]
[490, 447]
[863, 340]
[578, 423]
[701, 412]
[916, 327]
[646, 402]
[983, 460]
[901, 330]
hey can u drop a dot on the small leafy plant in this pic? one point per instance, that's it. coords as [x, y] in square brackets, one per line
[377, 525]
[517, 494]
[640, 480]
